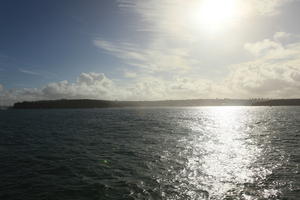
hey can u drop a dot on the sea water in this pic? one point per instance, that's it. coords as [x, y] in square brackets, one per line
[150, 153]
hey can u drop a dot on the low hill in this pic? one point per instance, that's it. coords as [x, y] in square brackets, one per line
[88, 103]
[278, 102]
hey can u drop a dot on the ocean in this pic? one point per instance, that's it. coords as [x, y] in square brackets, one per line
[150, 153]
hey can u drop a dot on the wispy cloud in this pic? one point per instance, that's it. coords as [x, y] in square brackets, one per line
[174, 42]
[152, 8]
[129, 74]
[174, 46]
[162, 16]
[29, 72]
[153, 58]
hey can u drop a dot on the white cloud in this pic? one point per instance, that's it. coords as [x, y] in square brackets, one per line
[154, 88]
[161, 11]
[270, 49]
[274, 72]
[92, 78]
[98, 86]
[88, 85]
[268, 7]
[259, 78]
[175, 42]
[29, 72]
[128, 74]
[153, 58]
[263, 79]
[263, 47]
[278, 36]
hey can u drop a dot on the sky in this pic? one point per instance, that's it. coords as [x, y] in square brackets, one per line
[149, 49]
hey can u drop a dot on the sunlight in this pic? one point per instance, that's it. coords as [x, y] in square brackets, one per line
[221, 153]
[215, 14]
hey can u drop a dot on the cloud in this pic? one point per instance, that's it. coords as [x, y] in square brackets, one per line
[161, 11]
[274, 72]
[128, 74]
[153, 58]
[88, 85]
[98, 86]
[154, 88]
[259, 78]
[276, 49]
[175, 42]
[278, 36]
[29, 72]
[263, 79]
[268, 7]
[92, 78]
[263, 47]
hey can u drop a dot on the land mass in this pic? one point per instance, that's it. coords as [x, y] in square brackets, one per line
[88, 103]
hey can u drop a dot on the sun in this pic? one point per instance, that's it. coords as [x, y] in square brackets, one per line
[215, 14]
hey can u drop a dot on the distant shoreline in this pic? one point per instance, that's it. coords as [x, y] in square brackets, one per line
[89, 103]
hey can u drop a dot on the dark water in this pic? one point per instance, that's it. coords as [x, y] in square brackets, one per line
[151, 153]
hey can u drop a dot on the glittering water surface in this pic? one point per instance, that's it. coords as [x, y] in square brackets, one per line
[150, 153]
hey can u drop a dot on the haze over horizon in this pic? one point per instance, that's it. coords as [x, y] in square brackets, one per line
[149, 49]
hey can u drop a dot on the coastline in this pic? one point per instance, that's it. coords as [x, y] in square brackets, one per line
[90, 103]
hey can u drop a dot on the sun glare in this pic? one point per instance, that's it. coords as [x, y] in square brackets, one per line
[215, 14]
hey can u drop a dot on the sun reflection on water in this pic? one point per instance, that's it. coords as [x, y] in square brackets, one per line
[221, 156]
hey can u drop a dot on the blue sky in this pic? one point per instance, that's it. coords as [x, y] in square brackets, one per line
[54, 39]
[154, 49]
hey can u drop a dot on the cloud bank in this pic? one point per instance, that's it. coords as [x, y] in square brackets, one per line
[274, 72]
